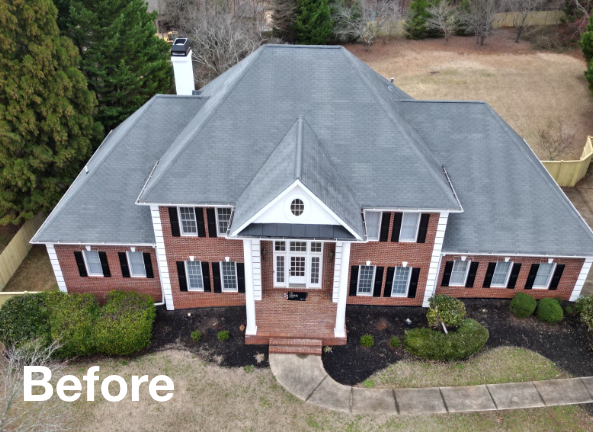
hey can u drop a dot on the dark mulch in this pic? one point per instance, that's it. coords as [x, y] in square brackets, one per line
[568, 344]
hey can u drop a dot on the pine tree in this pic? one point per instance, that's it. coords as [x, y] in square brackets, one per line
[313, 24]
[123, 60]
[46, 111]
[586, 41]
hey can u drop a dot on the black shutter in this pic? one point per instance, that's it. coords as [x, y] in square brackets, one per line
[384, 232]
[353, 280]
[211, 222]
[514, 275]
[489, 274]
[389, 281]
[104, 264]
[414, 283]
[181, 275]
[531, 276]
[557, 276]
[174, 220]
[471, 276]
[241, 277]
[397, 224]
[447, 274]
[148, 265]
[423, 229]
[216, 277]
[80, 263]
[123, 262]
[200, 219]
[378, 281]
[206, 276]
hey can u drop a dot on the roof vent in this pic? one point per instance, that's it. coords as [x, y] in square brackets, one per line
[180, 47]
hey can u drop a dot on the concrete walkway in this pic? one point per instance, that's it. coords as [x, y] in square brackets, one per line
[306, 378]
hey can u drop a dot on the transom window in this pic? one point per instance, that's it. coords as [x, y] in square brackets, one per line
[187, 215]
[298, 263]
[409, 228]
[297, 207]
[93, 263]
[136, 263]
[544, 274]
[366, 278]
[280, 246]
[501, 274]
[223, 216]
[373, 223]
[459, 272]
[316, 247]
[298, 246]
[193, 269]
[229, 276]
[401, 281]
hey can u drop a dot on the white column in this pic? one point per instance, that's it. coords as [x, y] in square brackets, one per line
[337, 271]
[576, 292]
[184, 74]
[161, 256]
[53, 259]
[340, 330]
[249, 292]
[435, 260]
[256, 268]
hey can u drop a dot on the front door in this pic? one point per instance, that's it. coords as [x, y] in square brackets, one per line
[297, 263]
[297, 272]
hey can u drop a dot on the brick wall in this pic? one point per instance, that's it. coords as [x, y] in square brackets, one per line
[565, 287]
[100, 286]
[388, 254]
[209, 249]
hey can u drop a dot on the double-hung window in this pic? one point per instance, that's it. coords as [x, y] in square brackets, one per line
[409, 228]
[544, 275]
[136, 263]
[459, 273]
[401, 281]
[372, 220]
[223, 218]
[228, 271]
[366, 279]
[193, 270]
[93, 263]
[502, 271]
[189, 225]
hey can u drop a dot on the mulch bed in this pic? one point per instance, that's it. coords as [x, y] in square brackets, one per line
[567, 344]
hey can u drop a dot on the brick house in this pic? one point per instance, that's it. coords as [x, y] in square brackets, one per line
[301, 170]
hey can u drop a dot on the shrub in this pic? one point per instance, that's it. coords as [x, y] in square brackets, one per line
[584, 307]
[25, 318]
[196, 335]
[415, 25]
[367, 340]
[124, 324]
[429, 344]
[223, 335]
[549, 310]
[394, 341]
[523, 305]
[445, 309]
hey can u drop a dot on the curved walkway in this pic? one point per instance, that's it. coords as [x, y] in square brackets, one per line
[306, 378]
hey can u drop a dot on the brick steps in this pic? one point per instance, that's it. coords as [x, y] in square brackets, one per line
[295, 346]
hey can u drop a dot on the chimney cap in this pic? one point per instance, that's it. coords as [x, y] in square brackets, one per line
[180, 47]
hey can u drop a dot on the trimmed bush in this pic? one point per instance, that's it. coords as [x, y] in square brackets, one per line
[549, 311]
[367, 340]
[584, 307]
[25, 318]
[223, 335]
[523, 305]
[394, 342]
[445, 309]
[196, 335]
[124, 324]
[429, 344]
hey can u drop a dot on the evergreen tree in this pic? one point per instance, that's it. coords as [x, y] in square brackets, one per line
[313, 24]
[586, 41]
[589, 75]
[46, 111]
[123, 60]
[415, 25]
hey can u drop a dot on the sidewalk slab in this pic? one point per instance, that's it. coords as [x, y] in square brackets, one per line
[420, 401]
[468, 398]
[375, 401]
[515, 395]
[588, 381]
[563, 391]
[300, 375]
[332, 395]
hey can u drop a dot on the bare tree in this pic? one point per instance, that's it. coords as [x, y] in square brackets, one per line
[443, 18]
[584, 8]
[20, 416]
[519, 11]
[479, 18]
[555, 138]
[378, 17]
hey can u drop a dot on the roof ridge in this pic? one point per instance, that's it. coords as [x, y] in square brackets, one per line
[298, 166]
[444, 101]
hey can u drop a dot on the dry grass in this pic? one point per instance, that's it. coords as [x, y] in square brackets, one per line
[34, 274]
[524, 86]
[211, 398]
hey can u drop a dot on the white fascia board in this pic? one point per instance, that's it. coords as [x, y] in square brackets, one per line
[94, 244]
[186, 204]
[503, 254]
[409, 209]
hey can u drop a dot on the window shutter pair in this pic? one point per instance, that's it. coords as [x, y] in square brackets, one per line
[388, 282]
[176, 229]
[512, 278]
[125, 268]
[82, 268]
[422, 229]
[555, 277]
[413, 282]
[215, 276]
[471, 276]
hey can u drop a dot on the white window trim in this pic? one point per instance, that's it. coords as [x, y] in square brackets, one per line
[469, 264]
[217, 225]
[88, 269]
[367, 228]
[369, 294]
[407, 284]
[181, 222]
[189, 288]
[547, 286]
[130, 265]
[506, 281]
[229, 290]
[417, 228]
[308, 254]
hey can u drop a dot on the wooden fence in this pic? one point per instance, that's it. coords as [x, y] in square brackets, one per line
[18, 248]
[568, 173]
